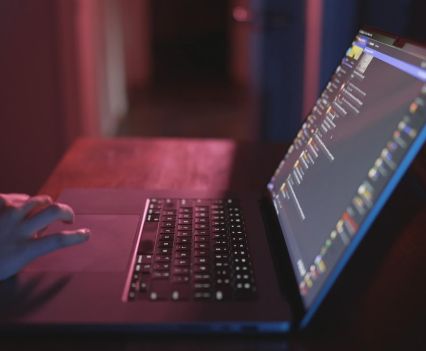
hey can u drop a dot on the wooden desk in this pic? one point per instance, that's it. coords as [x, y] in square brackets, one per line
[380, 304]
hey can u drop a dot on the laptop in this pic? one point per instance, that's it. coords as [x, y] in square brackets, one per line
[182, 261]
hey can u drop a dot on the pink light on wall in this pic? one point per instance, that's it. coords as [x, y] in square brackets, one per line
[30, 109]
[137, 41]
[313, 39]
[90, 43]
[241, 14]
[240, 31]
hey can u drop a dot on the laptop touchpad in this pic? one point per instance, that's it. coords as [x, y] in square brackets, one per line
[107, 250]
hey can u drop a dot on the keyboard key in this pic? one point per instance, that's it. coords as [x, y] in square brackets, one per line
[201, 246]
[202, 277]
[219, 230]
[223, 273]
[155, 212]
[200, 260]
[201, 268]
[161, 275]
[221, 257]
[180, 279]
[159, 290]
[185, 216]
[219, 223]
[152, 217]
[218, 236]
[161, 267]
[220, 264]
[166, 237]
[146, 268]
[220, 249]
[183, 240]
[202, 295]
[201, 253]
[143, 284]
[201, 215]
[219, 295]
[181, 271]
[223, 282]
[201, 233]
[180, 292]
[162, 258]
[133, 285]
[183, 247]
[218, 212]
[164, 251]
[223, 293]
[132, 295]
[201, 209]
[218, 218]
[185, 221]
[201, 239]
[182, 262]
[169, 212]
[185, 233]
[165, 244]
[202, 286]
[182, 254]
[244, 291]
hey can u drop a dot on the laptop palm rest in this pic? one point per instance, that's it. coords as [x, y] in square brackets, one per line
[107, 250]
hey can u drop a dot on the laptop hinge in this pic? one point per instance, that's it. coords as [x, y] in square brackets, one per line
[283, 268]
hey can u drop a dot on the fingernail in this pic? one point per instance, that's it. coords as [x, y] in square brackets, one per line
[85, 232]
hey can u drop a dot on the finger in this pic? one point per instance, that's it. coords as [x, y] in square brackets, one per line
[15, 209]
[33, 203]
[13, 199]
[18, 197]
[49, 243]
[45, 217]
[2, 201]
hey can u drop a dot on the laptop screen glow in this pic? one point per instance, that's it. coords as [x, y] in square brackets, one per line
[358, 140]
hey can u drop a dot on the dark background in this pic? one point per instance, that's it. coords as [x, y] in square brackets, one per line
[241, 69]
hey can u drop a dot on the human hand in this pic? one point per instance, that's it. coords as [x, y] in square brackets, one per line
[21, 218]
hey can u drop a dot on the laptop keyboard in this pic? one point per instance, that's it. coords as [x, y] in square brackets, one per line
[193, 249]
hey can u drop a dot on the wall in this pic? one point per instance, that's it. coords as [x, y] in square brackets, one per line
[113, 88]
[31, 141]
[137, 42]
[62, 75]
[241, 27]
[97, 66]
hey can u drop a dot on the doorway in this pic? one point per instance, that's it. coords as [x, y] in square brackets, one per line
[190, 41]
[192, 90]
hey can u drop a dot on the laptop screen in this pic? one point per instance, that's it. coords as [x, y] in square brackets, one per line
[353, 148]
